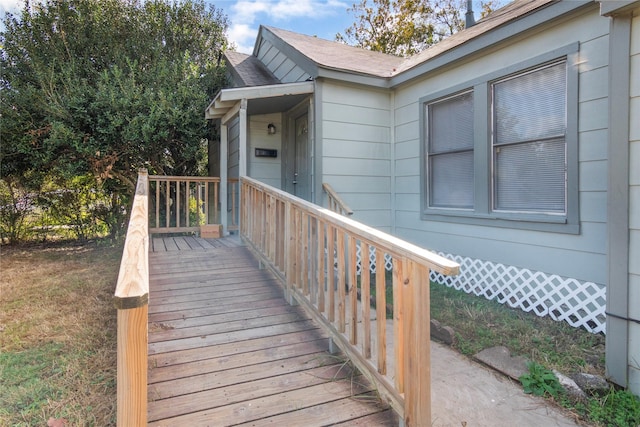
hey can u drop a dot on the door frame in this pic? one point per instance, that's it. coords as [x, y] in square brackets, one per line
[288, 147]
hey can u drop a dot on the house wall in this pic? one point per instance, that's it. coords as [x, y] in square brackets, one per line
[265, 169]
[356, 149]
[279, 64]
[581, 256]
[634, 208]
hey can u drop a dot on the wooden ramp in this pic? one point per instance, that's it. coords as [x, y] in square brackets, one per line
[225, 348]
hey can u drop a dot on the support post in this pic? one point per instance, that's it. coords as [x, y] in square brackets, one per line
[224, 173]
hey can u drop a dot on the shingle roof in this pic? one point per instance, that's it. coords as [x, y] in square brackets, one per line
[508, 13]
[248, 71]
[338, 56]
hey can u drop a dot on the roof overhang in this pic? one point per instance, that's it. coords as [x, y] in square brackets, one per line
[617, 7]
[260, 99]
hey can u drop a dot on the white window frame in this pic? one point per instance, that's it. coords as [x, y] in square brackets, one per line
[483, 212]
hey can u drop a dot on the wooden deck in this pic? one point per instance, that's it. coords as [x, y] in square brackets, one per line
[225, 348]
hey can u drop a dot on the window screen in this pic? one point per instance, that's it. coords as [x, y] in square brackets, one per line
[450, 152]
[529, 146]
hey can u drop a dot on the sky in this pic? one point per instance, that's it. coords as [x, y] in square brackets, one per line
[322, 18]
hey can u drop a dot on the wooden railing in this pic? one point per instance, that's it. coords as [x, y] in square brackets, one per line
[336, 204]
[131, 299]
[182, 204]
[315, 252]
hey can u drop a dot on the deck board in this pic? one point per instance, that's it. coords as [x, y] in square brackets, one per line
[226, 349]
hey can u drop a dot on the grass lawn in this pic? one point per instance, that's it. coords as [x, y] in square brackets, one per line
[480, 323]
[57, 334]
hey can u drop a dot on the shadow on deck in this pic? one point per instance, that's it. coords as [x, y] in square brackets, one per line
[226, 349]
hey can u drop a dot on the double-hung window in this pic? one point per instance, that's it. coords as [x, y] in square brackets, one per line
[451, 152]
[501, 149]
[529, 149]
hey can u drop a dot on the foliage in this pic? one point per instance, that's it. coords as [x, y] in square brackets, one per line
[15, 205]
[406, 27]
[105, 87]
[540, 381]
[619, 408]
[79, 204]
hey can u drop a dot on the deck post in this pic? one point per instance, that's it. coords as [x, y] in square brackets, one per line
[417, 350]
[131, 298]
[224, 185]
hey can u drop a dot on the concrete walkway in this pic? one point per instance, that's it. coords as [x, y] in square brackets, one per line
[468, 394]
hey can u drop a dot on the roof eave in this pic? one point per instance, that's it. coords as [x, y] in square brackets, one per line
[490, 38]
[227, 98]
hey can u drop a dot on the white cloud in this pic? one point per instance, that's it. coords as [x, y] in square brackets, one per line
[246, 15]
[12, 6]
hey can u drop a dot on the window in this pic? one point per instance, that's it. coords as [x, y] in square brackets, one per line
[502, 150]
[451, 152]
[529, 126]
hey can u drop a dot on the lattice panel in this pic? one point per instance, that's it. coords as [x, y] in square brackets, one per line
[580, 304]
[388, 262]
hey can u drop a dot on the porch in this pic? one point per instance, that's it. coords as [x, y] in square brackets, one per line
[224, 346]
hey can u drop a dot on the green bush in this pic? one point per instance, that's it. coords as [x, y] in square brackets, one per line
[15, 206]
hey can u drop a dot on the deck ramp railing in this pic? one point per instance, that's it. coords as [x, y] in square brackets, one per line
[314, 251]
[336, 204]
[180, 204]
[132, 301]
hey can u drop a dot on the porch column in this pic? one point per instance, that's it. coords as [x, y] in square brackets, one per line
[243, 137]
[224, 192]
[242, 167]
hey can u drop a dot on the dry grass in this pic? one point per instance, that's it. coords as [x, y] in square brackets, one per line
[57, 334]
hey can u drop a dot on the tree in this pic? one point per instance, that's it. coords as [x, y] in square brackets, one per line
[105, 87]
[406, 27]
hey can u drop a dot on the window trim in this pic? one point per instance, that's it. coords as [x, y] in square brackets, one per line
[482, 213]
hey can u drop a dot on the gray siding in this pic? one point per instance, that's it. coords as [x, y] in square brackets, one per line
[278, 63]
[634, 210]
[356, 150]
[581, 256]
[265, 169]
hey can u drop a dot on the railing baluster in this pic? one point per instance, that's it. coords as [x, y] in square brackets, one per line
[365, 298]
[341, 282]
[321, 265]
[381, 311]
[331, 271]
[304, 232]
[353, 289]
[398, 323]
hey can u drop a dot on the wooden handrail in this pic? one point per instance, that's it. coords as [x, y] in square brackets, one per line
[336, 203]
[173, 214]
[131, 299]
[314, 251]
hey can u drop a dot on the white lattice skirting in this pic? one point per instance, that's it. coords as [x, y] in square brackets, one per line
[581, 304]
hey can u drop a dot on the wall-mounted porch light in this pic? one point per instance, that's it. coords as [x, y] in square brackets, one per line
[271, 129]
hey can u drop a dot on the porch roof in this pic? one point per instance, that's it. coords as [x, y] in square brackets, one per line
[260, 99]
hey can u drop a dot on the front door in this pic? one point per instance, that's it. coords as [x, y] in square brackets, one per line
[301, 167]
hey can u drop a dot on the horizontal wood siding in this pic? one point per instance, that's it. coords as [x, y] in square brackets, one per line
[581, 256]
[356, 150]
[634, 209]
[265, 169]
